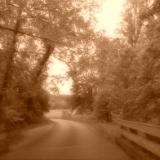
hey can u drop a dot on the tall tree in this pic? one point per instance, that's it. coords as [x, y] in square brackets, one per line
[35, 28]
[132, 23]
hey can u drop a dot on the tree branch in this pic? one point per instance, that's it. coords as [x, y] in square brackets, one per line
[43, 61]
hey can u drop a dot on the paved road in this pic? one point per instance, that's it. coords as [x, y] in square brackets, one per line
[66, 140]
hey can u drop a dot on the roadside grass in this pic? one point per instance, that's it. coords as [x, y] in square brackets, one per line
[109, 130]
[16, 134]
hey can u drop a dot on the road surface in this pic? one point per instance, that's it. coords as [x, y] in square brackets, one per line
[66, 140]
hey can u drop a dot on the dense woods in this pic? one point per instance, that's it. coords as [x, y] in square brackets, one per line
[31, 31]
[122, 74]
[109, 74]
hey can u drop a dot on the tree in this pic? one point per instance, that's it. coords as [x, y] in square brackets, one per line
[132, 22]
[83, 75]
[33, 29]
[141, 94]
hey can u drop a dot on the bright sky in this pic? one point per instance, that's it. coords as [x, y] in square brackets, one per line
[110, 16]
[108, 19]
[59, 68]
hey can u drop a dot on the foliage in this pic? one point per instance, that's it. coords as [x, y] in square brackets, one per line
[133, 87]
[30, 31]
[109, 74]
[102, 109]
[125, 70]
[84, 79]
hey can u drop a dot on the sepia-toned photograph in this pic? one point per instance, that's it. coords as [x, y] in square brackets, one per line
[79, 79]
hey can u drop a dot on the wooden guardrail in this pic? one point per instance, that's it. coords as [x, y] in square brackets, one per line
[145, 135]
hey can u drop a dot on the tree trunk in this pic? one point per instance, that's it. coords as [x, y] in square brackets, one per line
[9, 67]
[42, 62]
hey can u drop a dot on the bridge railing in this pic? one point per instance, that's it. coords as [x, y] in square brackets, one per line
[147, 136]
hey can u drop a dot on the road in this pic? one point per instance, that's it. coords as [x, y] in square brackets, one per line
[66, 140]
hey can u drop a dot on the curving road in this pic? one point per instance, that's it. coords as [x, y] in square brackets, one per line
[66, 140]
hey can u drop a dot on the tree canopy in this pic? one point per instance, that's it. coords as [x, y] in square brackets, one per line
[31, 32]
[125, 70]
[118, 75]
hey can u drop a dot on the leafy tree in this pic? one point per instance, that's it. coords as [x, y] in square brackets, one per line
[132, 22]
[31, 31]
[142, 92]
[84, 78]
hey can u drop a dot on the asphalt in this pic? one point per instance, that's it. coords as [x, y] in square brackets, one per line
[64, 140]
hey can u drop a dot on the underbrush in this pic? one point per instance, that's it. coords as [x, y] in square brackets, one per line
[14, 134]
[85, 117]
[106, 129]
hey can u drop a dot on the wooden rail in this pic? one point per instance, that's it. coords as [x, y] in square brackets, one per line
[145, 135]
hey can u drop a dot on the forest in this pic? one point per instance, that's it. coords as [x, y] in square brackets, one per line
[119, 75]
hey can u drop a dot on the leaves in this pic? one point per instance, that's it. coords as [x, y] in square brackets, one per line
[30, 31]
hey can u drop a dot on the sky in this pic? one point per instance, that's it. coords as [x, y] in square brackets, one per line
[59, 68]
[110, 16]
[108, 20]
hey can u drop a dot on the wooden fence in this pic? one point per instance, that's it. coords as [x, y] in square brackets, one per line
[144, 135]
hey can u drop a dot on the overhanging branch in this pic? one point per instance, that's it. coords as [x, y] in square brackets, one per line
[28, 34]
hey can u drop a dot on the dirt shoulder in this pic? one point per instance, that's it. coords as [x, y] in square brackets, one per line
[20, 135]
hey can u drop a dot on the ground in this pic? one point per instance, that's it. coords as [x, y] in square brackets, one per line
[65, 140]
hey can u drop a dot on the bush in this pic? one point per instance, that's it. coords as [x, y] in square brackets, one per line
[102, 109]
[35, 104]
[12, 118]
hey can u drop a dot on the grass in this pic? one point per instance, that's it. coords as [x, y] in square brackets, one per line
[15, 135]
